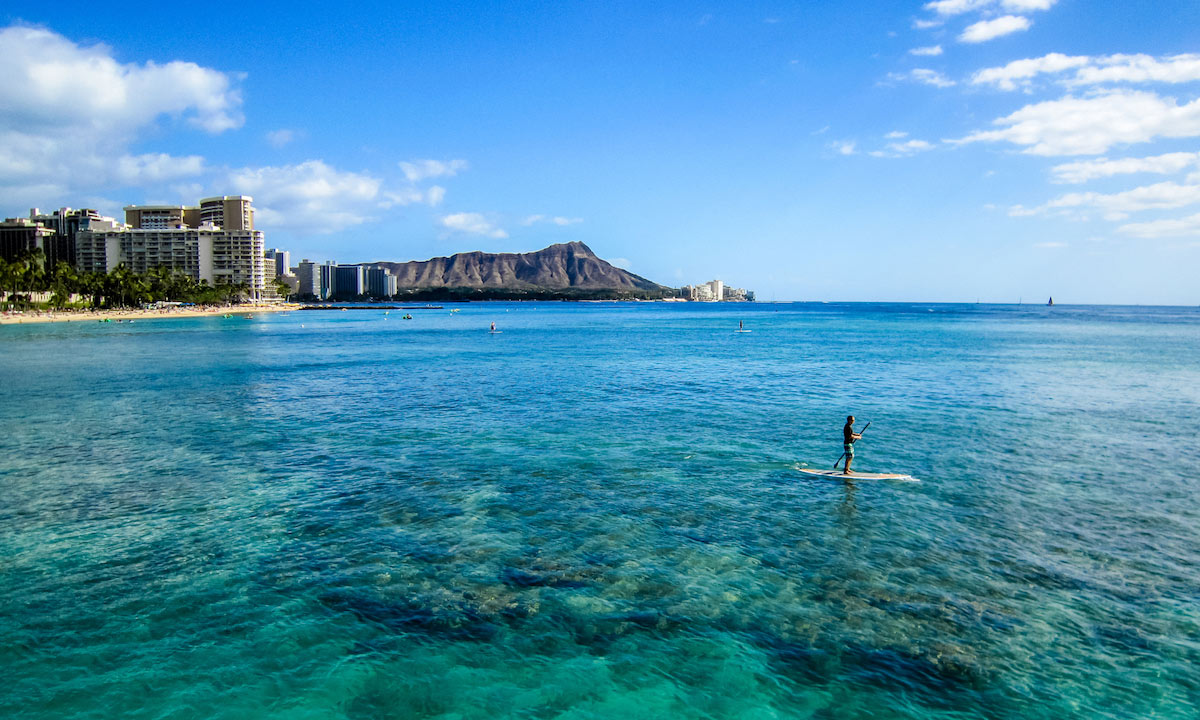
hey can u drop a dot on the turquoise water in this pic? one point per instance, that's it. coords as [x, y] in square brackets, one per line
[597, 514]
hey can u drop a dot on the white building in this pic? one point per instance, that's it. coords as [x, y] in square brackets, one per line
[715, 291]
[164, 236]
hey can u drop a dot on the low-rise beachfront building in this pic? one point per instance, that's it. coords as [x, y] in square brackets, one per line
[164, 236]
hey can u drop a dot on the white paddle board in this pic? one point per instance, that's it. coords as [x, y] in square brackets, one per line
[839, 475]
[494, 332]
[743, 331]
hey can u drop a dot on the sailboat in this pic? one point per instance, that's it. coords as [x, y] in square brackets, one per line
[1051, 303]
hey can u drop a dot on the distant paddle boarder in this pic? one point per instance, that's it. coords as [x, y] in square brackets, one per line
[493, 326]
[849, 437]
[740, 326]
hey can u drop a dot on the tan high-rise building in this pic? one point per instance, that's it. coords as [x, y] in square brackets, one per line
[225, 212]
[215, 242]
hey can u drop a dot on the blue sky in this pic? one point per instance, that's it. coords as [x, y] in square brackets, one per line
[942, 151]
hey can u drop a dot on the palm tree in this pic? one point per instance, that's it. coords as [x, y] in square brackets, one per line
[7, 271]
[63, 281]
[34, 272]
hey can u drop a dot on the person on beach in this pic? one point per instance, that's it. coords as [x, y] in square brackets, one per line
[848, 439]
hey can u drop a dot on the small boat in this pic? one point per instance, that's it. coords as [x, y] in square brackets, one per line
[1051, 303]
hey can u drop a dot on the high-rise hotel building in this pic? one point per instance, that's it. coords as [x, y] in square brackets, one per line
[215, 242]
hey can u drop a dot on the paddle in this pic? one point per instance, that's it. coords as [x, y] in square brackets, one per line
[835, 462]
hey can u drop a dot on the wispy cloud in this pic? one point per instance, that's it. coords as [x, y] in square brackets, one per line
[1118, 206]
[902, 149]
[1082, 70]
[985, 30]
[281, 137]
[924, 76]
[1181, 227]
[550, 220]
[845, 147]
[472, 223]
[1085, 170]
[931, 51]
[418, 170]
[947, 8]
[1092, 125]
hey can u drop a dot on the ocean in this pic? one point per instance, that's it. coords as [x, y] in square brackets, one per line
[597, 514]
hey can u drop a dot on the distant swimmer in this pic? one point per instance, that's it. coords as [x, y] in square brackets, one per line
[849, 437]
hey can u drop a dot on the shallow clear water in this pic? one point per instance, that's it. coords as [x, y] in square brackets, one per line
[597, 514]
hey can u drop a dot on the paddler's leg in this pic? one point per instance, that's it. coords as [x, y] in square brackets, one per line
[849, 457]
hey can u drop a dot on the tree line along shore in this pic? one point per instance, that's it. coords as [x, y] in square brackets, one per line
[64, 287]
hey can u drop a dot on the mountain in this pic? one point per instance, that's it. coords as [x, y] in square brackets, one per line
[568, 268]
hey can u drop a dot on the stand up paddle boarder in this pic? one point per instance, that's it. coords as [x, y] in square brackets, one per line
[849, 437]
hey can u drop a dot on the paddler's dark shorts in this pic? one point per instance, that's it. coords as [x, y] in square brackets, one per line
[849, 449]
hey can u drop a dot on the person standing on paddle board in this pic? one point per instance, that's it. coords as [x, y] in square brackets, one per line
[848, 439]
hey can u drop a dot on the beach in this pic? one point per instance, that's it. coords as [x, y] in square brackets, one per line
[129, 314]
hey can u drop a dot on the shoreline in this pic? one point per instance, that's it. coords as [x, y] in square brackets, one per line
[51, 316]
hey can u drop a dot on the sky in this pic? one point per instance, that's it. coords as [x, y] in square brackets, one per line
[946, 151]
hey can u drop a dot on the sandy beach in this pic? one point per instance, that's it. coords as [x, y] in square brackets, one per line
[31, 316]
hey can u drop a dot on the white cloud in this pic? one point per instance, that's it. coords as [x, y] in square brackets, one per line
[472, 224]
[956, 7]
[1118, 206]
[156, 168]
[1019, 72]
[948, 8]
[1091, 125]
[1140, 69]
[902, 149]
[931, 77]
[920, 24]
[412, 196]
[845, 147]
[70, 113]
[620, 262]
[1182, 227]
[281, 137]
[1023, 6]
[49, 80]
[896, 135]
[417, 170]
[910, 147]
[551, 220]
[932, 51]
[1088, 70]
[1085, 170]
[308, 197]
[985, 30]
[925, 76]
